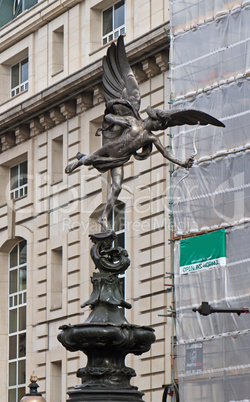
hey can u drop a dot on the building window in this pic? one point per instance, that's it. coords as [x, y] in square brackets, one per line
[10, 9]
[20, 77]
[19, 180]
[17, 322]
[113, 22]
[95, 141]
[17, 7]
[56, 278]
[117, 223]
[57, 50]
[57, 170]
[56, 381]
[20, 6]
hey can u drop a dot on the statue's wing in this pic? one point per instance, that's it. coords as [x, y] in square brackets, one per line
[189, 116]
[119, 82]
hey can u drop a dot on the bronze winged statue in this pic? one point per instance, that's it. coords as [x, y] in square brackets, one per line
[124, 131]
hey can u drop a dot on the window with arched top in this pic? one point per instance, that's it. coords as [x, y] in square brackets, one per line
[117, 223]
[17, 322]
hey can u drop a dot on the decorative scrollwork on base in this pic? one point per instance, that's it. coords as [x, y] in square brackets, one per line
[106, 377]
[107, 258]
[106, 290]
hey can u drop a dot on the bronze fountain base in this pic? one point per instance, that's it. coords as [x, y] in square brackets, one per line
[106, 337]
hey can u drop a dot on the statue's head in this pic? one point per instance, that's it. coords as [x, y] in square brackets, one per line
[157, 119]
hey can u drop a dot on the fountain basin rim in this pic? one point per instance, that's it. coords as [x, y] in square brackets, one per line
[105, 324]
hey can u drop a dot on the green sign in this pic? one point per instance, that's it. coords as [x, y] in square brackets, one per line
[202, 252]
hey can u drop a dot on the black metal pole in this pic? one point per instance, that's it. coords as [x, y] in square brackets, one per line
[205, 309]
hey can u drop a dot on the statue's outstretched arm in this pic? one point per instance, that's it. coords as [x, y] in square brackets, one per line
[168, 155]
[119, 120]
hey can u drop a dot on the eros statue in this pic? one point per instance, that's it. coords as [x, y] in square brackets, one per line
[124, 131]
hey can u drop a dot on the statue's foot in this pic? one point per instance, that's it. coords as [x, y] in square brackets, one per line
[69, 168]
[79, 155]
[72, 166]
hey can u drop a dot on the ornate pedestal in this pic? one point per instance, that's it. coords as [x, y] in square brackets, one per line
[106, 337]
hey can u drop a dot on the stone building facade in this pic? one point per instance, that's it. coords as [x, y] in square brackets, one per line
[51, 104]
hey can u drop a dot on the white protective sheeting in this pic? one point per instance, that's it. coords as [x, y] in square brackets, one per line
[227, 286]
[210, 62]
[188, 14]
[225, 337]
[210, 71]
[229, 103]
[225, 381]
[215, 194]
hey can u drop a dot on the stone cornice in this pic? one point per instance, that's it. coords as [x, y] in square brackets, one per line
[85, 81]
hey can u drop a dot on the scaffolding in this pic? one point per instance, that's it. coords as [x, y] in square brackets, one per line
[210, 71]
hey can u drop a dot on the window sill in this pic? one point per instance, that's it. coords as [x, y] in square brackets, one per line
[55, 308]
[56, 182]
[57, 72]
[19, 198]
[14, 97]
[104, 46]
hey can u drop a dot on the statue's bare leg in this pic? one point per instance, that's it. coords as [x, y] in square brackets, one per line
[117, 178]
[98, 156]
[80, 161]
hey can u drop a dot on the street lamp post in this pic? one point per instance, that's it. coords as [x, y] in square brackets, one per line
[33, 395]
